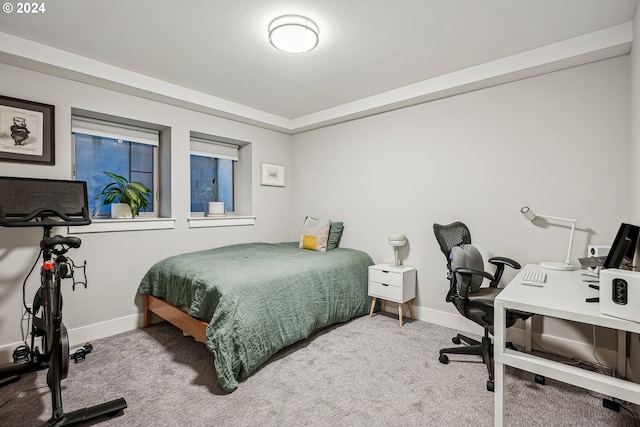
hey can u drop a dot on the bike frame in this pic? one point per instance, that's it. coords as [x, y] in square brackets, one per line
[55, 342]
[47, 314]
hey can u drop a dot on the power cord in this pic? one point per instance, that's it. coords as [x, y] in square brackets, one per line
[24, 298]
[632, 412]
[608, 402]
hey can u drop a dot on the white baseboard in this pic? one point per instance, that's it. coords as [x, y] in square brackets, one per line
[448, 320]
[79, 336]
[549, 343]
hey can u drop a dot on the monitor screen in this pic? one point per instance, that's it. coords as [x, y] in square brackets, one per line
[623, 248]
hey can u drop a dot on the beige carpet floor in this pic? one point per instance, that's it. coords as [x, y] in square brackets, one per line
[367, 372]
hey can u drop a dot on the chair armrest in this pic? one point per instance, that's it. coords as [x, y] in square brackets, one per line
[506, 261]
[500, 262]
[462, 290]
[475, 271]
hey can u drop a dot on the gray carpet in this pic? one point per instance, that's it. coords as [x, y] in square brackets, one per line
[367, 372]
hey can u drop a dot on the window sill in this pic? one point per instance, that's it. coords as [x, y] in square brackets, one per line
[110, 225]
[225, 221]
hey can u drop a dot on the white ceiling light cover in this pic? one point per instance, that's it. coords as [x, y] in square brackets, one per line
[293, 33]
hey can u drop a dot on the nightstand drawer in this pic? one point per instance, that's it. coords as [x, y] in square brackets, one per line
[385, 291]
[386, 277]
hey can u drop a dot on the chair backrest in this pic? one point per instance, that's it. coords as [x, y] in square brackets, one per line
[450, 236]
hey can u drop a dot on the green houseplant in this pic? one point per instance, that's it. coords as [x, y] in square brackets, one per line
[120, 190]
[213, 208]
[212, 190]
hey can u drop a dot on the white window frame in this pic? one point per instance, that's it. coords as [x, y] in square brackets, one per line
[125, 132]
[220, 147]
[215, 150]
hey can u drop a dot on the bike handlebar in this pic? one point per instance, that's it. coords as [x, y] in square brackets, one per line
[44, 215]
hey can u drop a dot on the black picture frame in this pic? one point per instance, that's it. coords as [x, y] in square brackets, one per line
[26, 131]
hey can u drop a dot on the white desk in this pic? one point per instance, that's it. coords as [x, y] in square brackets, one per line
[563, 297]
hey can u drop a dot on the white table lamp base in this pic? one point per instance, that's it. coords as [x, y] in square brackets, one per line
[563, 266]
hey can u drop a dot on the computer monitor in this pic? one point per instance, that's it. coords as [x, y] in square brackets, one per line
[623, 248]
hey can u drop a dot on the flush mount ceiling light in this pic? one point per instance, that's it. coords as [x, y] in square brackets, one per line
[293, 34]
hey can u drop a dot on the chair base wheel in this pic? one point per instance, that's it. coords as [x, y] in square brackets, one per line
[456, 340]
[444, 359]
[539, 379]
[490, 386]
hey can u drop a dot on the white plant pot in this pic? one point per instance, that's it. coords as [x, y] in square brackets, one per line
[216, 209]
[120, 210]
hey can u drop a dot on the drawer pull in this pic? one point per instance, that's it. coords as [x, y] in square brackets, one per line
[384, 271]
[384, 284]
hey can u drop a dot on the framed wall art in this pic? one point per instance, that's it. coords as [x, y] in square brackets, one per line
[26, 131]
[271, 174]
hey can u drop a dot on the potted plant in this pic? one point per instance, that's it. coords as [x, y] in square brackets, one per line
[215, 208]
[126, 198]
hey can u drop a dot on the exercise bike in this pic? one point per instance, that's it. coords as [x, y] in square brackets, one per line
[62, 203]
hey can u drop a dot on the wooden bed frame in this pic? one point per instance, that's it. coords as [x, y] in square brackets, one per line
[188, 324]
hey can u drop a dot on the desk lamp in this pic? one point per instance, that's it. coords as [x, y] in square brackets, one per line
[564, 266]
[397, 240]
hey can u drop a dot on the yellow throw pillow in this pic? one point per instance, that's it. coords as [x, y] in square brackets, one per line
[309, 242]
[318, 228]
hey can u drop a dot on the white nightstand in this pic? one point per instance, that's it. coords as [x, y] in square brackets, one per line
[391, 283]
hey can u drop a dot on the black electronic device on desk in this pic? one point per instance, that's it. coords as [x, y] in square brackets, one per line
[620, 255]
[47, 203]
[624, 247]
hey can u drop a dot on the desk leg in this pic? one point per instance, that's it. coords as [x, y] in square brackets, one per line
[498, 350]
[622, 354]
[527, 334]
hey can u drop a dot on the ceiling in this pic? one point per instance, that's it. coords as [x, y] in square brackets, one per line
[368, 48]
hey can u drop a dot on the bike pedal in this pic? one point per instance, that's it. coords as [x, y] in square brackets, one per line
[80, 354]
[21, 354]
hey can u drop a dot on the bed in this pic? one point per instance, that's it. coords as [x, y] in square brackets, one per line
[248, 301]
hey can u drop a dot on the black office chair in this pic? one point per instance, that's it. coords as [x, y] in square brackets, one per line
[466, 274]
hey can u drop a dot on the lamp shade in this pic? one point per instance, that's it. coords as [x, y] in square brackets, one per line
[528, 213]
[397, 239]
[293, 34]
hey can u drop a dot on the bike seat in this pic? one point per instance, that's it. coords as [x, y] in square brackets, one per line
[50, 242]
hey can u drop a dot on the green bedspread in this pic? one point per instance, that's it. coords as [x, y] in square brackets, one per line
[261, 297]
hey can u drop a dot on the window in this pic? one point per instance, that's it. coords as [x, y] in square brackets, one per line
[129, 151]
[212, 160]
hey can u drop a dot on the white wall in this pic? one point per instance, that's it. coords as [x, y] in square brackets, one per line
[558, 143]
[117, 261]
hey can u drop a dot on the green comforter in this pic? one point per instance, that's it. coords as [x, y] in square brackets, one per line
[261, 297]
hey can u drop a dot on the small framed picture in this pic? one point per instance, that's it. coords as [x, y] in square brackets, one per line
[26, 131]
[271, 174]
